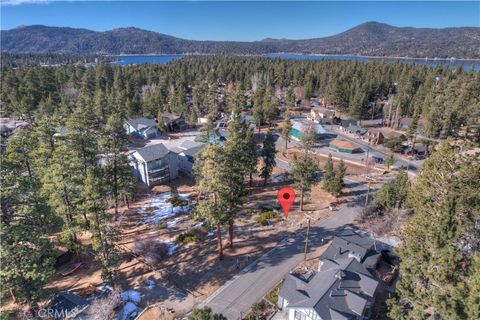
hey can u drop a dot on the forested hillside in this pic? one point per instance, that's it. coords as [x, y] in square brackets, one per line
[370, 39]
[441, 100]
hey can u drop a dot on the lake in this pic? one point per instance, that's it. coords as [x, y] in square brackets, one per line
[449, 63]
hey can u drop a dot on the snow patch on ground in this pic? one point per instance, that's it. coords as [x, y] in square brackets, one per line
[210, 234]
[131, 296]
[129, 311]
[198, 225]
[173, 222]
[171, 247]
[158, 209]
[150, 284]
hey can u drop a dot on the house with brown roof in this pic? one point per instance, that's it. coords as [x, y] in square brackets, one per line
[344, 146]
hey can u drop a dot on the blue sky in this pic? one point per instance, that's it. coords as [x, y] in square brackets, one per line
[231, 20]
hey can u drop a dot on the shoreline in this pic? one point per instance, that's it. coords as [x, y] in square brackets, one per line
[267, 55]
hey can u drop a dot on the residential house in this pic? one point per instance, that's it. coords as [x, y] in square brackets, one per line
[144, 128]
[371, 123]
[350, 243]
[66, 305]
[318, 113]
[344, 146]
[374, 136]
[154, 164]
[186, 153]
[341, 288]
[355, 130]
[173, 122]
[300, 126]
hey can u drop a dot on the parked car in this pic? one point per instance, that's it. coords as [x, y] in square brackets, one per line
[379, 160]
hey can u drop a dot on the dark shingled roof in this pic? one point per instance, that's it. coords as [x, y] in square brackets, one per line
[340, 290]
[66, 302]
[153, 152]
[141, 123]
[348, 242]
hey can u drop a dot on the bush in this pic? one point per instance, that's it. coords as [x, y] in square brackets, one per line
[394, 144]
[192, 235]
[177, 202]
[154, 251]
[272, 296]
[255, 312]
[248, 212]
[264, 217]
[205, 314]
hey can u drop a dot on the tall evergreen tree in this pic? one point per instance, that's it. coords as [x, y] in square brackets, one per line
[286, 126]
[118, 173]
[338, 184]
[211, 176]
[268, 155]
[308, 139]
[441, 243]
[26, 251]
[328, 174]
[103, 234]
[304, 175]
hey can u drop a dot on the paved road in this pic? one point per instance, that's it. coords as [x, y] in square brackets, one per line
[356, 157]
[236, 297]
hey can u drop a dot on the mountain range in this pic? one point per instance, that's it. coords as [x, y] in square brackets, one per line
[367, 39]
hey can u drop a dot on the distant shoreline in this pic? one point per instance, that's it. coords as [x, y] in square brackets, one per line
[293, 53]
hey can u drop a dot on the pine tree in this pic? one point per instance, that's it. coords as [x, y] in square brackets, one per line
[236, 161]
[103, 234]
[441, 245]
[268, 155]
[211, 176]
[286, 126]
[308, 139]
[337, 182]
[328, 174]
[118, 173]
[26, 252]
[304, 175]
[206, 130]
[251, 155]
[62, 184]
[290, 98]
[389, 161]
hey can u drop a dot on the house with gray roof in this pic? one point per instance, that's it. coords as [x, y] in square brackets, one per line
[343, 286]
[351, 243]
[154, 164]
[144, 128]
[186, 153]
[339, 290]
[172, 122]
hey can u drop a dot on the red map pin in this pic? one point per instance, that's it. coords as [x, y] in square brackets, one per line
[286, 197]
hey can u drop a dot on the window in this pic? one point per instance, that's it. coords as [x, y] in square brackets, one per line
[300, 315]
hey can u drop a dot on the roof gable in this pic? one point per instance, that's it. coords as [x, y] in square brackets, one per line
[141, 123]
[152, 152]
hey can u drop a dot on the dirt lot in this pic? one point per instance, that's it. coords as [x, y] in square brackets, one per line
[192, 271]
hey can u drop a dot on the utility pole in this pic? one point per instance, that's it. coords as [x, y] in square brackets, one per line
[309, 218]
[366, 198]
